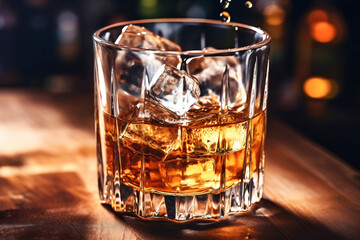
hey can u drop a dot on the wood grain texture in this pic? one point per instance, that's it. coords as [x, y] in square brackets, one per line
[48, 184]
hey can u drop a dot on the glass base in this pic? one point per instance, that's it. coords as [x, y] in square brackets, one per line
[238, 198]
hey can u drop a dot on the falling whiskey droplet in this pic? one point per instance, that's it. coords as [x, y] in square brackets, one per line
[225, 3]
[248, 4]
[225, 16]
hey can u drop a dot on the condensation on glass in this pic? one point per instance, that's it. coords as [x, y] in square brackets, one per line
[180, 110]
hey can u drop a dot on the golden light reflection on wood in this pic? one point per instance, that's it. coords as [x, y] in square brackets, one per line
[48, 183]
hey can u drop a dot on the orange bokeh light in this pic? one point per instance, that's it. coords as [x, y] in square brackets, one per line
[317, 15]
[274, 15]
[323, 31]
[319, 87]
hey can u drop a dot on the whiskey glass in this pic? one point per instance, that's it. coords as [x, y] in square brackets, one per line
[180, 117]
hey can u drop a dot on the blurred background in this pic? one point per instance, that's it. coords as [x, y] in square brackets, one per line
[313, 82]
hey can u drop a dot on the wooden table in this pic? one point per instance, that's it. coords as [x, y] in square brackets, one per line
[48, 184]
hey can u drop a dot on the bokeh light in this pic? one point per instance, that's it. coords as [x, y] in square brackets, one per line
[317, 15]
[67, 25]
[68, 31]
[148, 7]
[320, 87]
[274, 15]
[323, 31]
[7, 18]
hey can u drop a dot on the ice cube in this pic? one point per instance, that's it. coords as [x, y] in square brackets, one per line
[174, 89]
[214, 139]
[210, 71]
[205, 111]
[139, 37]
[212, 136]
[152, 139]
[156, 112]
[193, 173]
[129, 71]
[133, 67]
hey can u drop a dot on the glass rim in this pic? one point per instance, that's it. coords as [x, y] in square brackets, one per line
[264, 42]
